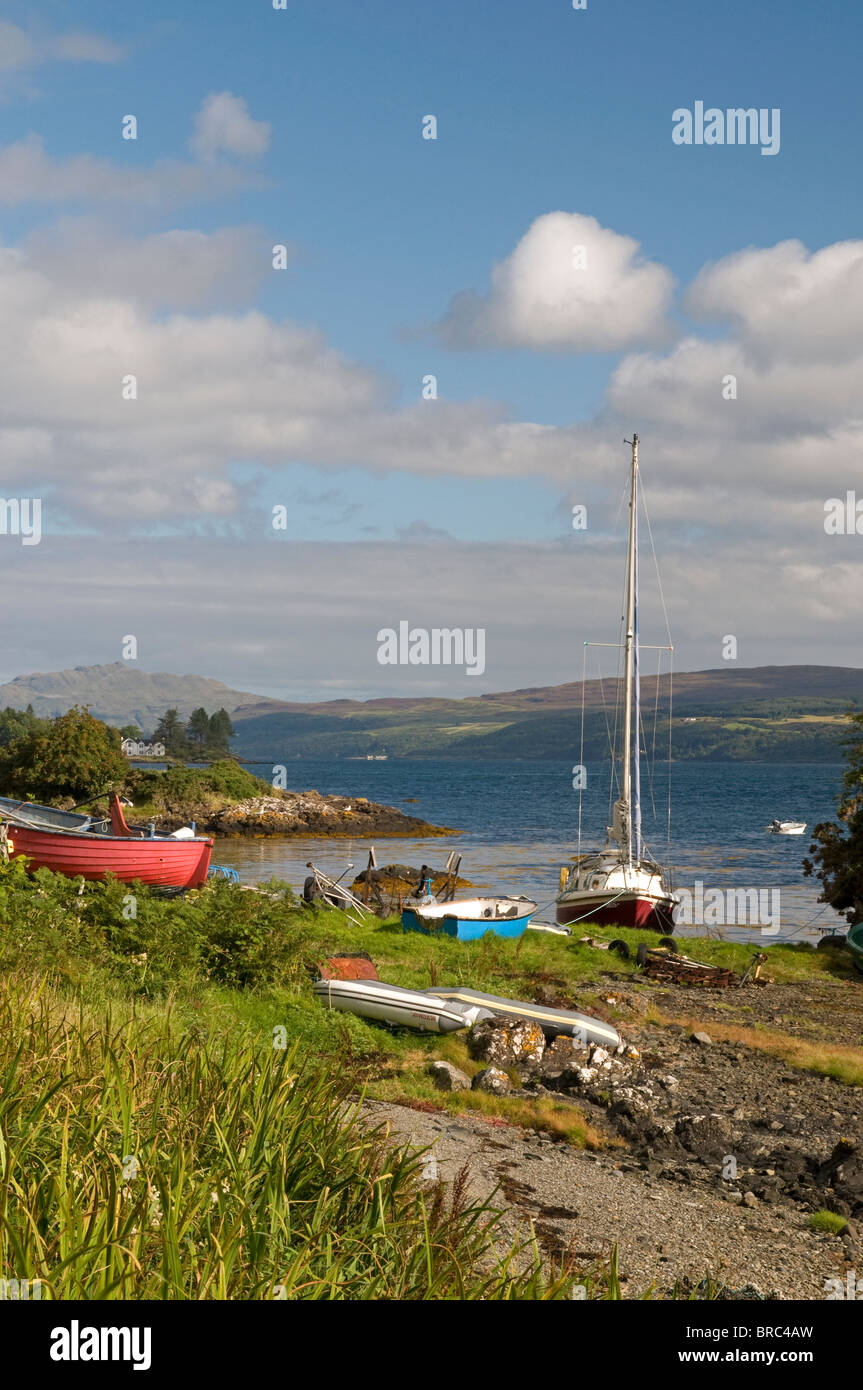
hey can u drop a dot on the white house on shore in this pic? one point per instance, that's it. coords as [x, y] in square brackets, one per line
[132, 748]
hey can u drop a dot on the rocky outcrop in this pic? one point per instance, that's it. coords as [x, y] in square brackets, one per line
[509, 1042]
[302, 814]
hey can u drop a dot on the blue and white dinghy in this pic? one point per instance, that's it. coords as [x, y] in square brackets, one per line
[391, 1004]
[552, 1021]
[467, 919]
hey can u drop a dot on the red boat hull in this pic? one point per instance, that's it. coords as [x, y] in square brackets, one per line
[163, 863]
[643, 914]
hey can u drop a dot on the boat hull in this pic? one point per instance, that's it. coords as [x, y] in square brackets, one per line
[390, 1004]
[160, 863]
[618, 910]
[553, 1022]
[469, 920]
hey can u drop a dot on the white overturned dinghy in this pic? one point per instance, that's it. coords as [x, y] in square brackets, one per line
[553, 1022]
[408, 1008]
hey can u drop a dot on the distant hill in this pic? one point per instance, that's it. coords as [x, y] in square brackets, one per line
[119, 693]
[788, 713]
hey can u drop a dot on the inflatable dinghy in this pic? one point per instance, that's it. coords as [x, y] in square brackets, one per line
[392, 1004]
[551, 1021]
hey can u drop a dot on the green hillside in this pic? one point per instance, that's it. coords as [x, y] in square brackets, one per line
[765, 713]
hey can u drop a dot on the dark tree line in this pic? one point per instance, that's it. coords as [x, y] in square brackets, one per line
[204, 736]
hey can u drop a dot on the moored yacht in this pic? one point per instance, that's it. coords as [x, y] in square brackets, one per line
[622, 884]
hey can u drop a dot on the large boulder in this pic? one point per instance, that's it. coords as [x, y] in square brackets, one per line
[509, 1042]
[843, 1171]
[447, 1077]
[494, 1080]
[706, 1136]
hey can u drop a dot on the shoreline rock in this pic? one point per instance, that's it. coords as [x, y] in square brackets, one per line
[303, 814]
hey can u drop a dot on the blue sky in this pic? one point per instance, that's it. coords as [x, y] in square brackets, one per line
[540, 109]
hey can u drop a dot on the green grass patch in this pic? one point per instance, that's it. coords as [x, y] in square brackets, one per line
[828, 1221]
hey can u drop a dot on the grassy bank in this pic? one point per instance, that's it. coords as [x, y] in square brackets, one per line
[159, 1141]
[183, 790]
[178, 1113]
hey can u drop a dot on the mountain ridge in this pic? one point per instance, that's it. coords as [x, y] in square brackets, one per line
[793, 712]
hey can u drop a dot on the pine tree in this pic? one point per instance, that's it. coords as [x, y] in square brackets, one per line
[171, 731]
[198, 728]
[221, 730]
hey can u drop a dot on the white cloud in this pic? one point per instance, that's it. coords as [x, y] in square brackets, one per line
[225, 388]
[223, 126]
[79, 47]
[569, 285]
[19, 50]
[176, 269]
[221, 610]
[786, 304]
[28, 174]
[213, 390]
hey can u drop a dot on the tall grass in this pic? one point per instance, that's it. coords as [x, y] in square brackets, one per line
[135, 1166]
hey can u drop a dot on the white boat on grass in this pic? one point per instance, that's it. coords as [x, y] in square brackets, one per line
[391, 1004]
[468, 919]
[553, 1022]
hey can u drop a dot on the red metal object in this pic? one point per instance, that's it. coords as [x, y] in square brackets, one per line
[349, 965]
[127, 854]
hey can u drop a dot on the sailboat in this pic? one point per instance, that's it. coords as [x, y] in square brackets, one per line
[622, 884]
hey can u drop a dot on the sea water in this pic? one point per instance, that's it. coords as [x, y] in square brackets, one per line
[517, 824]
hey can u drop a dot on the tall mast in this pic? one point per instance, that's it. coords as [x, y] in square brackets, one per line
[631, 805]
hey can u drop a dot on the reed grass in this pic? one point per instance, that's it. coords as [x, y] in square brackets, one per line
[134, 1165]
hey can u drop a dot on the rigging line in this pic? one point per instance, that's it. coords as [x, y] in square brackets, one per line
[648, 768]
[655, 560]
[608, 735]
[618, 698]
[581, 745]
[611, 741]
[656, 702]
[651, 762]
[670, 726]
[671, 654]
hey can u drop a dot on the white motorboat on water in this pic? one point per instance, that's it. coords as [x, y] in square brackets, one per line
[786, 827]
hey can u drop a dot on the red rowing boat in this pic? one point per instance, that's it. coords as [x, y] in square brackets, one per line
[81, 846]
